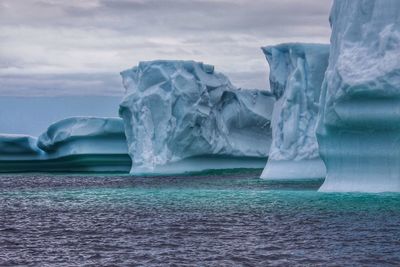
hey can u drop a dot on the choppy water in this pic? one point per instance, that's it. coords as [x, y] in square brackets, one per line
[211, 220]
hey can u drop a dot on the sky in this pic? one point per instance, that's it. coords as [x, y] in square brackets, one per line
[32, 115]
[78, 47]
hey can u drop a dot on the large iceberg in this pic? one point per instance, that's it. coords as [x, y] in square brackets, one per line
[296, 74]
[182, 116]
[359, 121]
[73, 144]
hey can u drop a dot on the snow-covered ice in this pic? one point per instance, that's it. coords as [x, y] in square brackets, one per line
[359, 121]
[296, 74]
[183, 116]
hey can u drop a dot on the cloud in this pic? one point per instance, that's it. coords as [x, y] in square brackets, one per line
[106, 84]
[53, 41]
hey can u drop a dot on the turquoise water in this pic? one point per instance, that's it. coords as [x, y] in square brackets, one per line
[211, 219]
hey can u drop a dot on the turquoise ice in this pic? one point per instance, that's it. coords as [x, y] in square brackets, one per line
[359, 121]
[74, 144]
[296, 74]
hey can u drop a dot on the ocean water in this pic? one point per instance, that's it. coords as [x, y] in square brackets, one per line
[212, 219]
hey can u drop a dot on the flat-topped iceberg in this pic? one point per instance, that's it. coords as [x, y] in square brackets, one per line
[359, 122]
[70, 145]
[182, 116]
[296, 74]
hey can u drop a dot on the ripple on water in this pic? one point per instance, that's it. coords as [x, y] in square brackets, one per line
[208, 220]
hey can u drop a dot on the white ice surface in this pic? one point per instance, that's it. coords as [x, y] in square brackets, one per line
[296, 74]
[179, 110]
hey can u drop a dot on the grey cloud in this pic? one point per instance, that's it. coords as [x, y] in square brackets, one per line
[174, 15]
[259, 79]
[93, 84]
[73, 43]
[61, 84]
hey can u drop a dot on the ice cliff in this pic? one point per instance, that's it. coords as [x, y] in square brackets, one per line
[359, 121]
[73, 144]
[183, 116]
[296, 74]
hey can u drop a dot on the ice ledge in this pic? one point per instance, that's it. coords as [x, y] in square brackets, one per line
[294, 169]
[349, 184]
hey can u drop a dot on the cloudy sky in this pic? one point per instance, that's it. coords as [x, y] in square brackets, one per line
[78, 47]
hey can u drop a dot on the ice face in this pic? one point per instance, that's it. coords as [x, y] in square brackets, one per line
[73, 144]
[358, 127]
[19, 147]
[84, 135]
[183, 116]
[296, 74]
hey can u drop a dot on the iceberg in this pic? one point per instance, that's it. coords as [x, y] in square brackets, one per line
[77, 144]
[182, 116]
[20, 153]
[359, 121]
[19, 147]
[84, 135]
[296, 74]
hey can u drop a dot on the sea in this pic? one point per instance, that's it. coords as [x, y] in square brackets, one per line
[224, 218]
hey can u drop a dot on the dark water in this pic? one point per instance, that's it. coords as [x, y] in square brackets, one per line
[211, 220]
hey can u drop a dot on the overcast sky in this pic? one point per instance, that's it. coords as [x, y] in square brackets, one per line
[78, 47]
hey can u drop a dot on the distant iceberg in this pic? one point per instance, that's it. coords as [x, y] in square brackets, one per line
[84, 135]
[78, 144]
[19, 147]
[182, 116]
[296, 74]
[359, 122]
